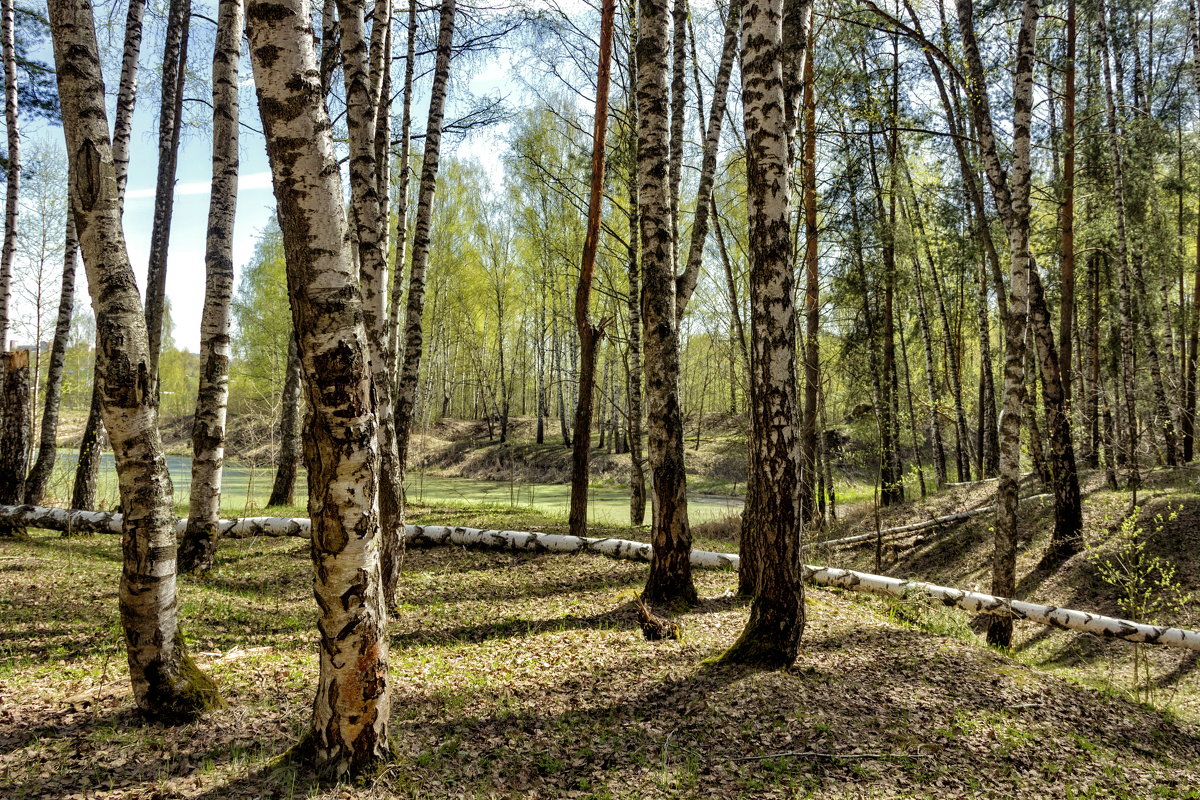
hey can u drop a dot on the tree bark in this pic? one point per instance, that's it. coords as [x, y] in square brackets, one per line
[166, 684]
[127, 92]
[771, 637]
[935, 424]
[8, 252]
[39, 474]
[633, 392]
[812, 287]
[212, 397]
[1066, 311]
[15, 383]
[170, 127]
[1011, 192]
[590, 333]
[283, 490]
[87, 467]
[670, 579]
[363, 90]
[397, 300]
[348, 730]
[410, 364]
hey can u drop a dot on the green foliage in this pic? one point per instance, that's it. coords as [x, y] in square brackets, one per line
[262, 323]
[1147, 585]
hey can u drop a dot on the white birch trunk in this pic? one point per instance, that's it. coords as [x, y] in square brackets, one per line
[166, 684]
[772, 634]
[348, 732]
[127, 92]
[410, 363]
[363, 90]
[670, 575]
[212, 398]
[8, 44]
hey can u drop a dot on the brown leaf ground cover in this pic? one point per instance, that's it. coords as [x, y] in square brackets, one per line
[524, 675]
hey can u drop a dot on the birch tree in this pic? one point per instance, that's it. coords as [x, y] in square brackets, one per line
[212, 398]
[771, 637]
[410, 363]
[8, 50]
[348, 730]
[166, 683]
[670, 579]
[369, 231]
[170, 128]
[1012, 194]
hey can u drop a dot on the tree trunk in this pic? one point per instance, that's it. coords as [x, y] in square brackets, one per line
[284, 488]
[402, 203]
[771, 637]
[935, 424]
[1011, 193]
[39, 475]
[633, 392]
[363, 90]
[686, 283]
[87, 467]
[1123, 276]
[812, 286]
[127, 92]
[1193, 332]
[348, 731]
[212, 398]
[410, 364]
[438, 535]
[8, 252]
[590, 333]
[170, 126]
[1066, 311]
[670, 579]
[166, 684]
[15, 382]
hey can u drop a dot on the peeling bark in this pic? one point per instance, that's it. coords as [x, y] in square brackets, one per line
[364, 84]
[348, 729]
[771, 637]
[670, 573]
[166, 684]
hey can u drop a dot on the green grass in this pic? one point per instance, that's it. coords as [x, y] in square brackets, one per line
[525, 675]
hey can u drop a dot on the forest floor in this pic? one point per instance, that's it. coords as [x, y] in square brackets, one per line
[526, 675]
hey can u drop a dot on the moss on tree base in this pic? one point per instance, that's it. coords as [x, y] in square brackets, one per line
[182, 697]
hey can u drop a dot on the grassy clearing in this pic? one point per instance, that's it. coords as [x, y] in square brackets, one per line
[524, 675]
[961, 556]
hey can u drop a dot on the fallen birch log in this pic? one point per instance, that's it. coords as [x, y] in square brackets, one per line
[914, 527]
[74, 521]
[975, 602]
